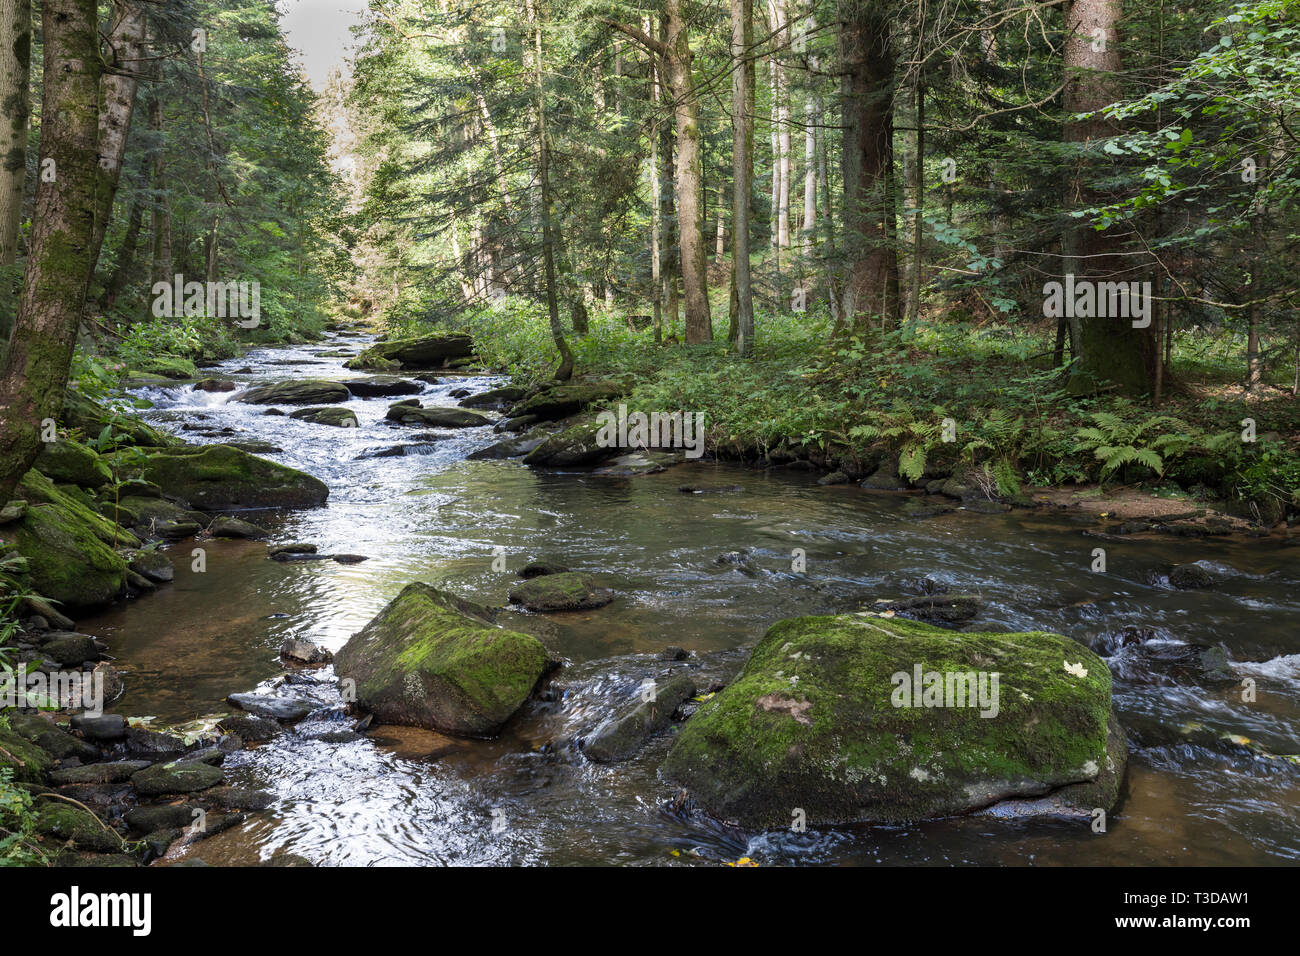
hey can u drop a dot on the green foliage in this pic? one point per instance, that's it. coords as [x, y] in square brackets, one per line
[17, 822]
[1116, 442]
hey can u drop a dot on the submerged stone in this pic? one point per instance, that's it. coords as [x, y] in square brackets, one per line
[566, 591]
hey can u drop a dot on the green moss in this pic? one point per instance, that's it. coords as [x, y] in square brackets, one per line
[430, 659]
[811, 723]
[29, 763]
[72, 462]
[219, 477]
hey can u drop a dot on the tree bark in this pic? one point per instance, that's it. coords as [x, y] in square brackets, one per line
[1108, 349]
[35, 370]
[867, 89]
[162, 219]
[15, 77]
[565, 370]
[126, 255]
[742, 170]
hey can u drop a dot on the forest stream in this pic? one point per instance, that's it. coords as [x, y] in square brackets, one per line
[1207, 783]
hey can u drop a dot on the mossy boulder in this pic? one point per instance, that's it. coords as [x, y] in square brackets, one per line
[493, 397]
[62, 821]
[70, 462]
[329, 415]
[307, 391]
[221, 478]
[188, 776]
[29, 763]
[566, 591]
[430, 659]
[168, 366]
[91, 418]
[578, 444]
[622, 735]
[817, 721]
[437, 416]
[419, 352]
[377, 386]
[561, 401]
[69, 548]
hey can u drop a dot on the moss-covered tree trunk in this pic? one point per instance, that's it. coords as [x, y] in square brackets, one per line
[1109, 349]
[35, 371]
[15, 74]
[162, 219]
[742, 171]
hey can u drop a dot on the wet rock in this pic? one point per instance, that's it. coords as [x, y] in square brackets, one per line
[280, 708]
[834, 478]
[12, 512]
[537, 569]
[91, 417]
[227, 527]
[159, 842]
[38, 605]
[168, 366]
[511, 447]
[1187, 577]
[69, 648]
[710, 489]
[885, 478]
[437, 416]
[291, 547]
[215, 385]
[176, 777]
[236, 798]
[517, 423]
[379, 386]
[153, 565]
[430, 659]
[27, 762]
[150, 819]
[304, 652]
[941, 610]
[620, 737]
[348, 558]
[111, 680]
[70, 462]
[334, 415]
[674, 653]
[152, 745]
[47, 735]
[493, 398]
[561, 401]
[59, 821]
[567, 591]
[105, 728]
[221, 478]
[578, 444]
[419, 352]
[458, 393]
[251, 729]
[117, 771]
[635, 464]
[983, 506]
[823, 718]
[301, 392]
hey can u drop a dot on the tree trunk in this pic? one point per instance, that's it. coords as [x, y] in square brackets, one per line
[15, 75]
[35, 370]
[781, 86]
[162, 219]
[690, 208]
[742, 170]
[126, 255]
[811, 120]
[867, 92]
[1108, 349]
[565, 370]
[656, 211]
[918, 200]
[126, 55]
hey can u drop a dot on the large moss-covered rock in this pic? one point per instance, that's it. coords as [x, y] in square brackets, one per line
[565, 591]
[334, 415]
[812, 724]
[561, 401]
[422, 351]
[437, 416]
[29, 763]
[576, 445]
[168, 366]
[221, 478]
[92, 417]
[70, 462]
[69, 548]
[57, 820]
[430, 659]
[307, 391]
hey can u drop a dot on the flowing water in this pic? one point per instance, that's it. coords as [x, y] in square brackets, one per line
[403, 796]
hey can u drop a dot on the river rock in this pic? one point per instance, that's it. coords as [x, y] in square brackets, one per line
[537, 569]
[254, 730]
[60, 822]
[280, 708]
[620, 737]
[27, 762]
[221, 478]
[568, 591]
[117, 771]
[511, 447]
[91, 417]
[69, 548]
[811, 724]
[153, 565]
[382, 385]
[215, 385]
[227, 527]
[493, 397]
[305, 391]
[418, 352]
[438, 416]
[149, 819]
[561, 401]
[578, 444]
[333, 415]
[176, 777]
[72, 463]
[304, 652]
[68, 648]
[430, 659]
[942, 610]
[107, 727]
[1189, 577]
